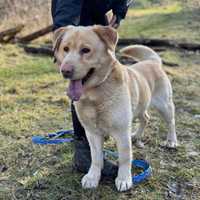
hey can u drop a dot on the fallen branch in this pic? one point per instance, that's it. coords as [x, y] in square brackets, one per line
[9, 34]
[35, 35]
[159, 43]
[170, 64]
[38, 50]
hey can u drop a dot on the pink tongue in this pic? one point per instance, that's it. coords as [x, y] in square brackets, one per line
[75, 90]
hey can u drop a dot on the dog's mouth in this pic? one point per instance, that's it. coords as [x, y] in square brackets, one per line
[75, 89]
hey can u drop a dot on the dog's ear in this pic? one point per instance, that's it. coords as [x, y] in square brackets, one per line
[58, 35]
[108, 35]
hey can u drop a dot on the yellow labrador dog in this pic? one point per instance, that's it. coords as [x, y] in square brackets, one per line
[108, 95]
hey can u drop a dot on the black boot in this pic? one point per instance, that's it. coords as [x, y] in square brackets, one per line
[82, 160]
[82, 157]
[110, 169]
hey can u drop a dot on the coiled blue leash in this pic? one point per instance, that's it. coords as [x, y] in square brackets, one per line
[56, 138]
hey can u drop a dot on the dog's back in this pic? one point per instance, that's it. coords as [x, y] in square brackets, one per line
[149, 65]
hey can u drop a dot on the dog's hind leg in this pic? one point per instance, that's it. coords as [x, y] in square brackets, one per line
[168, 113]
[164, 104]
[137, 135]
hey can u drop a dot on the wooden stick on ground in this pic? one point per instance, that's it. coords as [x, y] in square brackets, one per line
[9, 34]
[160, 43]
[170, 64]
[35, 35]
[38, 50]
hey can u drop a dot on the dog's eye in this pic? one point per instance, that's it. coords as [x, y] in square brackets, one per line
[85, 50]
[66, 49]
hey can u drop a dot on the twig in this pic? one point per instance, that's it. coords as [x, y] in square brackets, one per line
[35, 35]
[9, 34]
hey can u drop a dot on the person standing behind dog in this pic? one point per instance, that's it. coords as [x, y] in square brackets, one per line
[86, 13]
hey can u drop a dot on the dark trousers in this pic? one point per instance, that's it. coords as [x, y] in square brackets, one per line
[91, 14]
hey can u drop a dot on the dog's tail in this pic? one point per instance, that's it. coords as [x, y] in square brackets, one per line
[141, 53]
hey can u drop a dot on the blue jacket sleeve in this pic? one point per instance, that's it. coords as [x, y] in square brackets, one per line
[65, 12]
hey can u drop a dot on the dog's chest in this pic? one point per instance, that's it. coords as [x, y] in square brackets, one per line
[104, 116]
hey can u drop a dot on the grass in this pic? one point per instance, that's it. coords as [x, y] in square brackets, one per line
[173, 21]
[33, 101]
[164, 9]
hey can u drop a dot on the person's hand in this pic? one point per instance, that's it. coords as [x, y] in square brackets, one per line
[114, 21]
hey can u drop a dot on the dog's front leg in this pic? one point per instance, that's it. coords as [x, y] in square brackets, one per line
[91, 179]
[123, 181]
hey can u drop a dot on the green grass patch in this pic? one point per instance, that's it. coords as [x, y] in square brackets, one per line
[172, 21]
[165, 9]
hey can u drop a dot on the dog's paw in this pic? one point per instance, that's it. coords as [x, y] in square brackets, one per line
[89, 181]
[123, 184]
[170, 144]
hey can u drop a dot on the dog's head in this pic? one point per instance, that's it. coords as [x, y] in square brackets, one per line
[84, 55]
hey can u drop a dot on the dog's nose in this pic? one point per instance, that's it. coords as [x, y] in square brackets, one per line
[67, 73]
[67, 70]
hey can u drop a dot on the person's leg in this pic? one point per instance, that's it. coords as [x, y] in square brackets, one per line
[93, 12]
[86, 14]
[82, 155]
[100, 8]
[78, 129]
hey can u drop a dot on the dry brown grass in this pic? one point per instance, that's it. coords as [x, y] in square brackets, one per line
[33, 13]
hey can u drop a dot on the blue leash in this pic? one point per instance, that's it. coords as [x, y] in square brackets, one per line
[56, 138]
[137, 163]
[53, 138]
